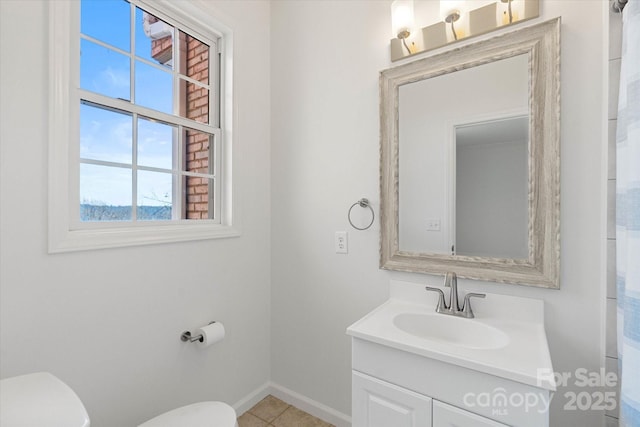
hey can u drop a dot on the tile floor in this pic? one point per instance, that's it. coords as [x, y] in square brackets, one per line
[273, 412]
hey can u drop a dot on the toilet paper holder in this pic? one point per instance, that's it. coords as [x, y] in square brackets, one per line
[186, 335]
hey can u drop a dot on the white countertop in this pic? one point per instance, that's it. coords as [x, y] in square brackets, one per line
[524, 358]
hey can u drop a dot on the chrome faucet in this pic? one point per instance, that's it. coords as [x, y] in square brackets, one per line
[453, 308]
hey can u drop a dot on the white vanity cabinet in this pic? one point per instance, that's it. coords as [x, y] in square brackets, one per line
[412, 367]
[449, 416]
[378, 403]
[393, 388]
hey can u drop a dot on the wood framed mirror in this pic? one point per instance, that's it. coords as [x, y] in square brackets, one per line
[470, 160]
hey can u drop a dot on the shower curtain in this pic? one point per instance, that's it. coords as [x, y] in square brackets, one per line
[628, 217]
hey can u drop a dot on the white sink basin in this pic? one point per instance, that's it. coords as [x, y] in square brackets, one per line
[506, 338]
[451, 330]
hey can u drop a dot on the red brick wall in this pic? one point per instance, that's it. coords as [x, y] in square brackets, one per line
[161, 49]
[197, 142]
[195, 106]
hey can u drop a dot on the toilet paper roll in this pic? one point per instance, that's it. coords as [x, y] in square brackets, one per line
[211, 334]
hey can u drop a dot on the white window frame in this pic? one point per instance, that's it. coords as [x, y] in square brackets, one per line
[65, 234]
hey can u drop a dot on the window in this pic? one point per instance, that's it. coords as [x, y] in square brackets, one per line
[148, 118]
[147, 135]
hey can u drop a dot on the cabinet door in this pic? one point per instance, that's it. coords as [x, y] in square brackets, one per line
[449, 416]
[377, 403]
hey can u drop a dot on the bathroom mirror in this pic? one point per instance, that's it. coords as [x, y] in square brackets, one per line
[470, 160]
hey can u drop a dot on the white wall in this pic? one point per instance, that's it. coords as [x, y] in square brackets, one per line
[108, 322]
[325, 58]
[325, 61]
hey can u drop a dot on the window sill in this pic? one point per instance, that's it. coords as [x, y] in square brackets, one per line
[117, 237]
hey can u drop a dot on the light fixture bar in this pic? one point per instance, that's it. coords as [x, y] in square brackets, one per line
[482, 20]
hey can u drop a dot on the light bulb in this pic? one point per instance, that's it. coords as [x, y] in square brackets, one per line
[402, 18]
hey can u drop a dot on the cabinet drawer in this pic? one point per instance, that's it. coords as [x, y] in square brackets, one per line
[449, 416]
[377, 403]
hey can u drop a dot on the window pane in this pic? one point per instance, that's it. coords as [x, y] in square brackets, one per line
[154, 39]
[105, 134]
[154, 88]
[108, 21]
[194, 102]
[194, 58]
[199, 192]
[197, 149]
[155, 191]
[155, 144]
[105, 193]
[104, 71]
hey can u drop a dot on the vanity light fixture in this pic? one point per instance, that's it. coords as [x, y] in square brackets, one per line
[463, 23]
[402, 22]
[451, 12]
[450, 19]
[509, 10]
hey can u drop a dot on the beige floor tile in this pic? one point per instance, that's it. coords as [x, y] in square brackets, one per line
[294, 417]
[248, 420]
[269, 408]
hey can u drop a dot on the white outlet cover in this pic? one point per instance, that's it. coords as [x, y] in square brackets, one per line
[433, 224]
[341, 242]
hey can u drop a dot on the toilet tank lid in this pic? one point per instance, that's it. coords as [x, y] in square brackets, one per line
[40, 399]
[203, 414]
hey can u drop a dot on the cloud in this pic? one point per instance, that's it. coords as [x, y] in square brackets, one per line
[105, 135]
[115, 78]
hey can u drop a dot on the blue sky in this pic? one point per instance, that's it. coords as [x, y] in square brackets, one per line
[107, 135]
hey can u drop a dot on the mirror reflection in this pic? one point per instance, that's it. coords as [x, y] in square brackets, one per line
[463, 162]
[491, 187]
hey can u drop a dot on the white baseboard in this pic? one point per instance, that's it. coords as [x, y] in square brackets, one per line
[310, 406]
[249, 401]
[304, 403]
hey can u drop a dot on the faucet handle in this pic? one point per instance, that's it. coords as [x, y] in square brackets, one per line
[442, 305]
[466, 306]
[450, 279]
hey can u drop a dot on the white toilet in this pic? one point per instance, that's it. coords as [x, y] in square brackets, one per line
[41, 399]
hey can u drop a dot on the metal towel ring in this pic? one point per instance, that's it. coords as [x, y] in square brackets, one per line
[364, 203]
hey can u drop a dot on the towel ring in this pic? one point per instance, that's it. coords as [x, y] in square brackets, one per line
[364, 203]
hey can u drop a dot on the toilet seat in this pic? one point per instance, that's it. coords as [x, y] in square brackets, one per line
[40, 399]
[203, 414]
